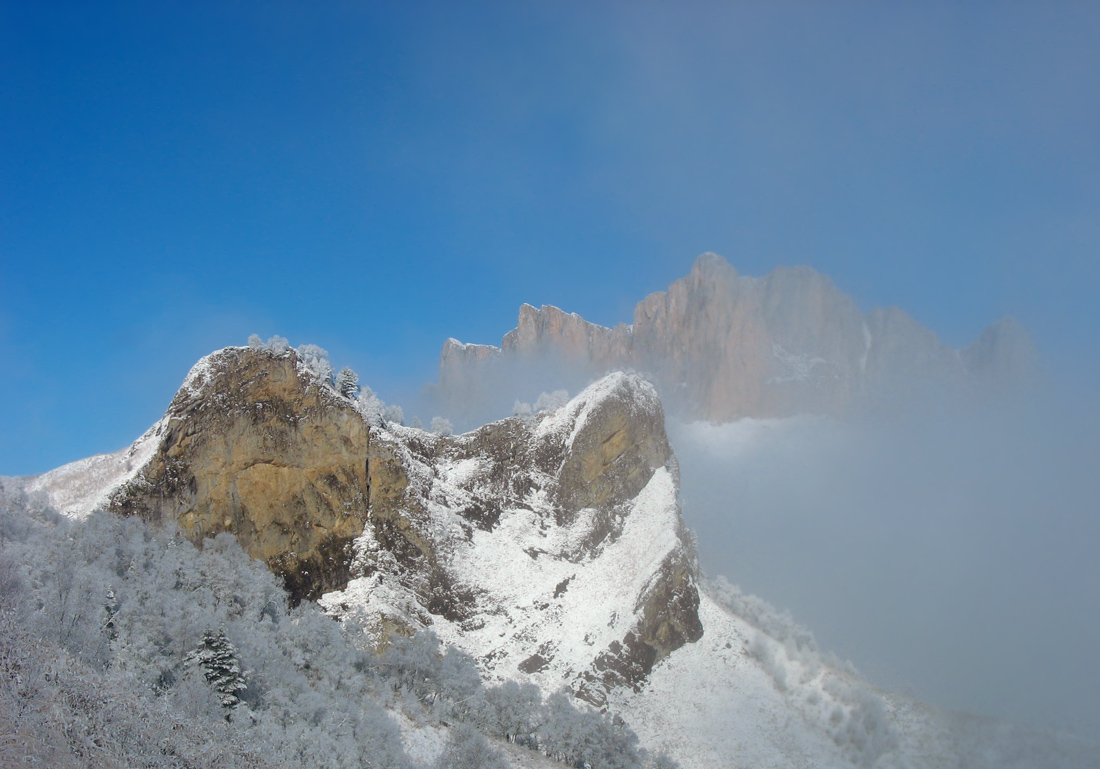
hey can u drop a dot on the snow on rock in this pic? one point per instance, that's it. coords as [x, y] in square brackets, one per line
[570, 420]
[559, 536]
[710, 705]
[551, 549]
[80, 487]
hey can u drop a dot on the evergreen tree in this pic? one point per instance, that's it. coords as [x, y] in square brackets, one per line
[347, 383]
[218, 660]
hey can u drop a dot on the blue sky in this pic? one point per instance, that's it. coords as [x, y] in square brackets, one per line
[374, 178]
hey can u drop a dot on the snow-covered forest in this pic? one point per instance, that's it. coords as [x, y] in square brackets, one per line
[121, 644]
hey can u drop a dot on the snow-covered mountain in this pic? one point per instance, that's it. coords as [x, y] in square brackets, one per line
[550, 548]
[720, 346]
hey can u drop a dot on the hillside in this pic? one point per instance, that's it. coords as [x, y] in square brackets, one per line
[548, 550]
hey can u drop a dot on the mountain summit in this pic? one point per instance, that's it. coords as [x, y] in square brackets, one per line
[720, 346]
[550, 546]
[547, 547]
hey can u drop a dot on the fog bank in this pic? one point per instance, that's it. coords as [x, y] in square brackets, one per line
[949, 556]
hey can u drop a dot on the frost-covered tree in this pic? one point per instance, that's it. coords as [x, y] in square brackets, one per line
[125, 696]
[662, 761]
[441, 426]
[370, 406]
[521, 409]
[255, 342]
[394, 414]
[316, 360]
[585, 738]
[467, 749]
[512, 711]
[347, 383]
[218, 660]
[277, 344]
[551, 401]
[416, 423]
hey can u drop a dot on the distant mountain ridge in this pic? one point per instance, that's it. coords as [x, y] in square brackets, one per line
[720, 345]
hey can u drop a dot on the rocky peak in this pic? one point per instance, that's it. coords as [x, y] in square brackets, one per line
[721, 346]
[549, 547]
[1004, 356]
[256, 445]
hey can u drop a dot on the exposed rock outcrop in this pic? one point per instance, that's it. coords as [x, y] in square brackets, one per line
[252, 445]
[549, 546]
[721, 346]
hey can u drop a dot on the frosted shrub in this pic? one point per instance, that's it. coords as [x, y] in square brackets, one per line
[551, 401]
[512, 711]
[467, 749]
[845, 708]
[780, 625]
[275, 344]
[370, 406]
[522, 410]
[441, 426]
[315, 359]
[394, 414]
[764, 650]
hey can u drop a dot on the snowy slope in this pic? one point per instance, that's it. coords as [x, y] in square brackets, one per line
[550, 594]
[712, 704]
[78, 488]
[547, 605]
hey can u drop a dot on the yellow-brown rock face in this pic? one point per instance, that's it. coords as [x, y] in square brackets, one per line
[720, 346]
[254, 447]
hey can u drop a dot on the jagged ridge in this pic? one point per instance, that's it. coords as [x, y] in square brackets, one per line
[721, 346]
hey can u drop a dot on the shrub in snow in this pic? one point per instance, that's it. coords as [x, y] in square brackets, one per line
[780, 625]
[277, 345]
[370, 406]
[512, 711]
[584, 737]
[764, 650]
[394, 415]
[316, 361]
[441, 426]
[467, 749]
[551, 401]
[347, 383]
[853, 715]
[522, 410]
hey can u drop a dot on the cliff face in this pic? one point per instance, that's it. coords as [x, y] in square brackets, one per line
[722, 346]
[549, 547]
[252, 446]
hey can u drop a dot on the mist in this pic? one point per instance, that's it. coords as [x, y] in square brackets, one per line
[950, 554]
